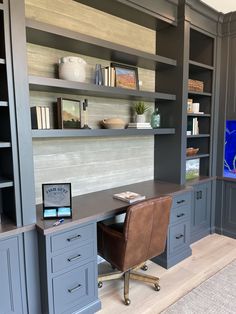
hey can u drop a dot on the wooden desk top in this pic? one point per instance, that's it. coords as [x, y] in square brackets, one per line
[101, 205]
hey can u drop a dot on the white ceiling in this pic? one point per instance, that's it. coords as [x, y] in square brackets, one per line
[223, 6]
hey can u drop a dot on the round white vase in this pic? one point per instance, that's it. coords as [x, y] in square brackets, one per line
[72, 69]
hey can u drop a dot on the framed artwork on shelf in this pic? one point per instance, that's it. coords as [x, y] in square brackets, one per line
[57, 200]
[68, 113]
[125, 76]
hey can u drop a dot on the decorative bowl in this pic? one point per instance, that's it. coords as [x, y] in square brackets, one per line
[191, 151]
[113, 123]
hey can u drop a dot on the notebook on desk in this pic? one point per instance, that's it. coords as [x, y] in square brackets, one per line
[129, 197]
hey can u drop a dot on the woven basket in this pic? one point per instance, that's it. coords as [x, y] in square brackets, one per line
[196, 86]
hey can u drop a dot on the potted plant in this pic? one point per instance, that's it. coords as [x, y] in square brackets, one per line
[140, 108]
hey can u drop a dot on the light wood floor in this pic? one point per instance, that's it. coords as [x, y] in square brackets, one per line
[209, 255]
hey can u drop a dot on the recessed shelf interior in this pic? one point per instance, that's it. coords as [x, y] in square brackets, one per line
[202, 143]
[2, 37]
[201, 47]
[205, 76]
[203, 124]
[5, 133]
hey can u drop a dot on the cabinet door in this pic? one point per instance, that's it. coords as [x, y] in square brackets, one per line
[229, 212]
[10, 282]
[200, 219]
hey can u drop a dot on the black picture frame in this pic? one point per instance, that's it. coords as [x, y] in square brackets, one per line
[69, 113]
[126, 76]
[57, 200]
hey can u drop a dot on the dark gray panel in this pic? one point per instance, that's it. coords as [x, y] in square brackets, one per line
[229, 213]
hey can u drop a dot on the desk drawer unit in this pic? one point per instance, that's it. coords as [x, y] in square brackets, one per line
[71, 238]
[73, 257]
[74, 289]
[178, 237]
[68, 266]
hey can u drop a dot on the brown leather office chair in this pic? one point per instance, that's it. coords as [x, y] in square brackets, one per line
[128, 246]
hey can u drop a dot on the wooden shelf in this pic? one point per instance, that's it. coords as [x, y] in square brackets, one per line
[199, 67]
[206, 115]
[198, 136]
[101, 132]
[2, 61]
[5, 144]
[55, 37]
[5, 183]
[203, 94]
[3, 104]
[37, 83]
[197, 156]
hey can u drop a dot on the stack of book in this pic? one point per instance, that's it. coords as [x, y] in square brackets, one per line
[129, 197]
[108, 74]
[193, 128]
[138, 125]
[40, 117]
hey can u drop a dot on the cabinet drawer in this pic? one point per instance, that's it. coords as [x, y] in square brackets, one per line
[72, 257]
[74, 289]
[179, 214]
[179, 237]
[181, 200]
[72, 237]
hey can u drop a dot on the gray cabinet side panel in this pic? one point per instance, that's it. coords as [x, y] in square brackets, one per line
[20, 80]
[32, 272]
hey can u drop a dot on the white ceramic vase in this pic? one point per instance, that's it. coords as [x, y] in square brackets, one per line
[72, 69]
[140, 118]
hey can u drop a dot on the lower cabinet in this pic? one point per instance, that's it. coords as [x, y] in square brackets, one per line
[12, 290]
[229, 209]
[178, 238]
[201, 211]
[68, 269]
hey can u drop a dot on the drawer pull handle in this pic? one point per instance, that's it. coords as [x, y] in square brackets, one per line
[180, 215]
[179, 236]
[180, 202]
[74, 289]
[74, 238]
[74, 258]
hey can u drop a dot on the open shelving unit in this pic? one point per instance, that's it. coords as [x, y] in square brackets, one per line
[201, 68]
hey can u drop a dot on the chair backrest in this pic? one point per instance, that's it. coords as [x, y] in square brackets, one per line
[145, 230]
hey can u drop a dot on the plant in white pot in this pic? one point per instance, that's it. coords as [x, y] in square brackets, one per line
[140, 108]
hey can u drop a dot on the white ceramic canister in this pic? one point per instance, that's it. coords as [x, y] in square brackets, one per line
[72, 69]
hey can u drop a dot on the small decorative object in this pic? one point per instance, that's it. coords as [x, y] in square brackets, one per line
[125, 76]
[57, 200]
[191, 151]
[68, 113]
[190, 106]
[195, 106]
[155, 119]
[113, 123]
[98, 75]
[195, 85]
[129, 197]
[140, 108]
[85, 114]
[192, 168]
[72, 69]
[135, 125]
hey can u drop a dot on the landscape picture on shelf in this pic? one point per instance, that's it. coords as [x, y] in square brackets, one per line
[68, 113]
[230, 149]
[125, 76]
[192, 168]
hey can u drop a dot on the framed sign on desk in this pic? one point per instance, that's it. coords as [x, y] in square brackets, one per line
[57, 200]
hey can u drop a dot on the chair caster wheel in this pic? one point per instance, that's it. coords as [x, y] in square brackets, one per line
[144, 267]
[127, 301]
[157, 287]
[99, 284]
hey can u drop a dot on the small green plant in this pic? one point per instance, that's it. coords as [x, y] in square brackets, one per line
[140, 107]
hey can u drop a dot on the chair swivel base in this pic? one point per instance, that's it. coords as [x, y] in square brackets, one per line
[130, 274]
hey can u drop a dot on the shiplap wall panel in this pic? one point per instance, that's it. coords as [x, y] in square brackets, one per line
[90, 164]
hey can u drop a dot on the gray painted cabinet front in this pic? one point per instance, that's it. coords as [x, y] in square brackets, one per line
[229, 209]
[201, 211]
[12, 297]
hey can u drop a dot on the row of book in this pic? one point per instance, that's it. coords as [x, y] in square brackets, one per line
[40, 117]
[139, 125]
[193, 127]
[105, 76]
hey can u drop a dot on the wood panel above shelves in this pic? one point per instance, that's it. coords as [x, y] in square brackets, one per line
[100, 132]
[197, 156]
[200, 94]
[206, 115]
[199, 67]
[63, 39]
[2, 61]
[37, 83]
[5, 144]
[198, 136]
[3, 104]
